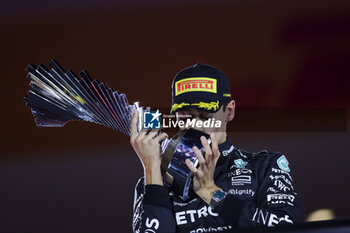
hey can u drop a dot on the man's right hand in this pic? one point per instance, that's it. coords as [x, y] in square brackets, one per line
[147, 146]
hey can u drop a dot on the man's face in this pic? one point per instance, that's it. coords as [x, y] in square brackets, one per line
[199, 115]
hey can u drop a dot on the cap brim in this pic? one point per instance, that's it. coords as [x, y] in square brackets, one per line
[210, 106]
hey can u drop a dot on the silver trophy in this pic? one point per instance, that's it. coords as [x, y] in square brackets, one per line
[57, 96]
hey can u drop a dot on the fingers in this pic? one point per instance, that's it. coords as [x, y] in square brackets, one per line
[212, 152]
[161, 137]
[200, 157]
[207, 149]
[151, 134]
[214, 146]
[142, 134]
[191, 166]
[133, 126]
[151, 138]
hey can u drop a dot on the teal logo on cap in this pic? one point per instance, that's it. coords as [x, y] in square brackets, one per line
[240, 163]
[282, 162]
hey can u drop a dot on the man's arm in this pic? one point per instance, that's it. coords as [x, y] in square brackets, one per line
[152, 210]
[277, 204]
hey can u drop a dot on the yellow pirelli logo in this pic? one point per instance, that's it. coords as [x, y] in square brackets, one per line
[195, 84]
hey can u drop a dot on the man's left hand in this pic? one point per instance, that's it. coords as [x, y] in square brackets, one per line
[203, 179]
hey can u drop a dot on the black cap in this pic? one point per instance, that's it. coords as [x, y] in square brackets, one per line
[200, 86]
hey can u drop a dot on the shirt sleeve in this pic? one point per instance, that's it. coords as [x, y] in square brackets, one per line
[277, 202]
[152, 210]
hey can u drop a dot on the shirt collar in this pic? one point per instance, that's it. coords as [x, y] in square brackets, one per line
[226, 145]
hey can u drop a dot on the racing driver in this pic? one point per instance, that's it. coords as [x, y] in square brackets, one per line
[233, 188]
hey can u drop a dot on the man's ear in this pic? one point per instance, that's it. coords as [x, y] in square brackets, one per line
[230, 109]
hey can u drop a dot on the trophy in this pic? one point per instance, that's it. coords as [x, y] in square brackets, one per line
[57, 96]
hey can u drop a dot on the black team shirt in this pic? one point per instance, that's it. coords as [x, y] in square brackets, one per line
[260, 192]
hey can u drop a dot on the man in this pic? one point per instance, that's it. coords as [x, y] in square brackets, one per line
[233, 188]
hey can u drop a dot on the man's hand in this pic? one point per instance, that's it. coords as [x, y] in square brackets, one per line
[147, 146]
[203, 179]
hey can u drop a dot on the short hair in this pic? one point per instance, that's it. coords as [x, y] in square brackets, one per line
[224, 105]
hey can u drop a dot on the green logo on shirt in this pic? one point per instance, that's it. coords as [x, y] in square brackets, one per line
[240, 163]
[282, 162]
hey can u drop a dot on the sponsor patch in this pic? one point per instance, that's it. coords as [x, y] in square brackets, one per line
[152, 224]
[190, 216]
[239, 171]
[282, 163]
[240, 192]
[281, 177]
[211, 229]
[226, 152]
[280, 196]
[270, 219]
[281, 186]
[195, 84]
[271, 189]
[279, 171]
[241, 180]
[240, 163]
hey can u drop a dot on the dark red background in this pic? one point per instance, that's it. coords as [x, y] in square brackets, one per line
[81, 177]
